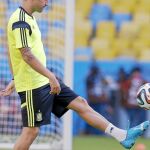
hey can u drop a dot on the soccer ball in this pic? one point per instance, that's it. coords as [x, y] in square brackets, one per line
[143, 96]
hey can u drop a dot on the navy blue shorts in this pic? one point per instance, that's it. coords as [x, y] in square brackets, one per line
[38, 104]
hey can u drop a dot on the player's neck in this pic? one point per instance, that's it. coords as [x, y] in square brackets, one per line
[27, 9]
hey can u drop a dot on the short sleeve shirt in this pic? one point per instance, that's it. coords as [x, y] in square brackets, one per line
[23, 31]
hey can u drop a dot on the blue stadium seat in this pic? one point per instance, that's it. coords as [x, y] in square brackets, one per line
[2, 32]
[100, 12]
[59, 24]
[4, 69]
[55, 66]
[84, 51]
[43, 25]
[2, 49]
[119, 18]
[12, 5]
[46, 49]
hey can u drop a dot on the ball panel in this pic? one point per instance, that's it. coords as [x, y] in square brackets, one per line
[143, 96]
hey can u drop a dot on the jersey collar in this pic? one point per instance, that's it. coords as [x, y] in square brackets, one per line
[26, 12]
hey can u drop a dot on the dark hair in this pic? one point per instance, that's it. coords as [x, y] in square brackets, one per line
[136, 69]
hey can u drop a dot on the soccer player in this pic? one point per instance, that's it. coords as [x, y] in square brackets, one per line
[40, 91]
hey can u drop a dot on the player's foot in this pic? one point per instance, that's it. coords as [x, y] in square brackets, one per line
[133, 134]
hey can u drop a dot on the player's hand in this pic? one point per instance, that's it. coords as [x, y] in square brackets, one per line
[8, 90]
[55, 86]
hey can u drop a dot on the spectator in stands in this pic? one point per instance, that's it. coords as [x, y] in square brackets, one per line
[122, 92]
[128, 90]
[123, 82]
[98, 95]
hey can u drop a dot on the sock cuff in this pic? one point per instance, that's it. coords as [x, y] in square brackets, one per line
[109, 128]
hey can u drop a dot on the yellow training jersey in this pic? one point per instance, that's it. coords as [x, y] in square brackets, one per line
[23, 31]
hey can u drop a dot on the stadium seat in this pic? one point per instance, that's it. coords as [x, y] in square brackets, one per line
[2, 21]
[129, 30]
[99, 13]
[128, 53]
[43, 25]
[145, 55]
[98, 43]
[141, 17]
[143, 8]
[107, 2]
[59, 24]
[3, 7]
[141, 44]
[105, 55]
[120, 18]
[79, 15]
[144, 2]
[133, 2]
[52, 39]
[84, 7]
[106, 29]
[102, 49]
[121, 44]
[57, 8]
[83, 31]
[2, 49]
[12, 5]
[145, 31]
[2, 31]
[83, 53]
[122, 8]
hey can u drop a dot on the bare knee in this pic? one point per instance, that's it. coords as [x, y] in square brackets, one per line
[30, 132]
[79, 105]
[27, 137]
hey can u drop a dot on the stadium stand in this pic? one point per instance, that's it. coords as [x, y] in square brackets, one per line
[83, 30]
[106, 30]
[123, 23]
[103, 20]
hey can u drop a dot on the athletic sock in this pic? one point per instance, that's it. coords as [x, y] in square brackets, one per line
[115, 132]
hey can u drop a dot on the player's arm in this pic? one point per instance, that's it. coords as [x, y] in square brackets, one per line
[9, 89]
[9, 61]
[31, 60]
[11, 86]
[22, 33]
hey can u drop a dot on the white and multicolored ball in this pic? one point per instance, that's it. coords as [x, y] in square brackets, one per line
[143, 96]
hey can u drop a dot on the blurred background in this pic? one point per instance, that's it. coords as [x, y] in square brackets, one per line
[112, 52]
[112, 47]
[111, 61]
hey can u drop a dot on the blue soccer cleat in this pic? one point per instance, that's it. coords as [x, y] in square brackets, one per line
[133, 134]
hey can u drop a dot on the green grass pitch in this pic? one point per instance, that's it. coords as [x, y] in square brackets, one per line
[102, 143]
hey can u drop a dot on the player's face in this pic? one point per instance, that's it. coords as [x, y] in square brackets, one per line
[38, 5]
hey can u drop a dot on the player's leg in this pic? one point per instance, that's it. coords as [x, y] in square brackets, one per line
[95, 119]
[26, 138]
[36, 107]
[126, 137]
[68, 99]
